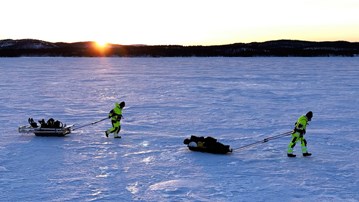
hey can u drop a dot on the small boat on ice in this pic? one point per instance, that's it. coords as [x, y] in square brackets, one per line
[49, 128]
[59, 132]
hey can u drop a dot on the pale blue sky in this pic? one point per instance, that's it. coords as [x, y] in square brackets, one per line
[183, 22]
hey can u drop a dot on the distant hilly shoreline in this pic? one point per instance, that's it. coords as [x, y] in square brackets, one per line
[277, 48]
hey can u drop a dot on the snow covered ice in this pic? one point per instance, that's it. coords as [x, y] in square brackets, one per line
[236, 100]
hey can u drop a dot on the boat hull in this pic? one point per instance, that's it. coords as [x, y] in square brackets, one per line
[46, 132]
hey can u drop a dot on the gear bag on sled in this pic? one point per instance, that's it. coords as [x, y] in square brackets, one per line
[208, 144]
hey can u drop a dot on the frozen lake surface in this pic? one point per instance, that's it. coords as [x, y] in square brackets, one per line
[236, 100]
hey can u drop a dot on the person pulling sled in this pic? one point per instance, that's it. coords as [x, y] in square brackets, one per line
[298, 135]
[115, 115]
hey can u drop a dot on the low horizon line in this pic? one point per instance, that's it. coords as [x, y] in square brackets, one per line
[139, 44]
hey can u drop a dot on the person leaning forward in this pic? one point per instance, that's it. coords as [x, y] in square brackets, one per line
[298, 135]
[115, 115]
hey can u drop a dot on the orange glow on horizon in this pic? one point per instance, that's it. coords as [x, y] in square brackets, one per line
[101, 44]
[204, 23]
[101, 48]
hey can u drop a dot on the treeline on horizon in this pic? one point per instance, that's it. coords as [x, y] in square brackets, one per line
[279, 48]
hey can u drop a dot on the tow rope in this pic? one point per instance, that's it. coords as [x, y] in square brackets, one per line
[89, 124]
[263, 141]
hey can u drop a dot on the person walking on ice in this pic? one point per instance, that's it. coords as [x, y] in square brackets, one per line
[298, 135]
[116, 116]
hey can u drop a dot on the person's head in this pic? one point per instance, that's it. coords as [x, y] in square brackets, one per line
[309, 115]
[122, 105]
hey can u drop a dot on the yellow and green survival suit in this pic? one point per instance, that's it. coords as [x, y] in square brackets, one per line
[298, 134]
[115, 115]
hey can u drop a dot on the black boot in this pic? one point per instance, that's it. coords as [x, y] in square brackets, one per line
[307, 154]
[291, 155]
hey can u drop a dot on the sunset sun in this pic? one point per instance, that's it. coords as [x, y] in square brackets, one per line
[101, 44]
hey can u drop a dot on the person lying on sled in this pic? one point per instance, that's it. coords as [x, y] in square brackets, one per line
[208, 144]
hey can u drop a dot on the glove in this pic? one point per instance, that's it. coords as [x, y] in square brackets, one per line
[300, 131]
[119, 117]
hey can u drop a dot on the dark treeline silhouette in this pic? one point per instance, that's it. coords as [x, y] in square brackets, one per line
[282, 48]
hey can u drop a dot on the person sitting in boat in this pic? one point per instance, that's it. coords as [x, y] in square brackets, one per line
[43, 124]
[32, 123]
[59, 124]
[208, 144]
[51, 123]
